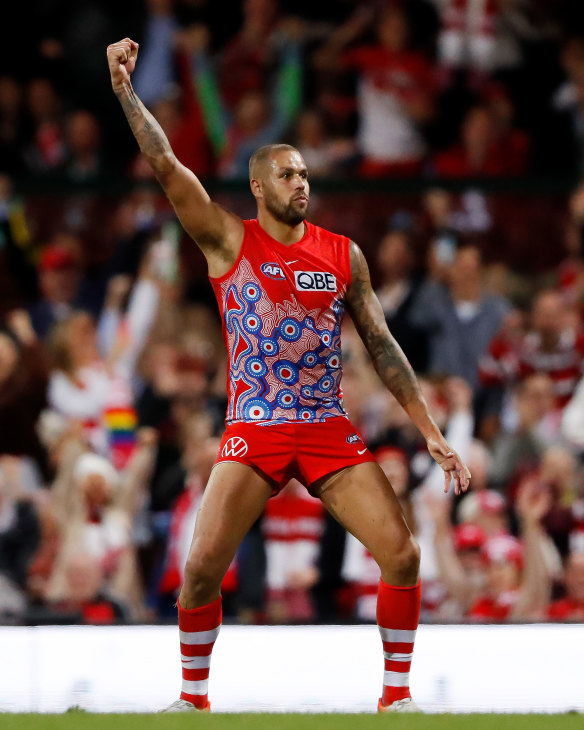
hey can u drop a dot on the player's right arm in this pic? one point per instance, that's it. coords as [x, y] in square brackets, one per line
[216, 231]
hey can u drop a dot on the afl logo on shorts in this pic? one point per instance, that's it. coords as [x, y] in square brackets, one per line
[315, 281]
[354, 438]
[235, 446]
[272, 270]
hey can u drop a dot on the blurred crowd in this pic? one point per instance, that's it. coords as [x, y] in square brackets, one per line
[374, 88]
[112, 365]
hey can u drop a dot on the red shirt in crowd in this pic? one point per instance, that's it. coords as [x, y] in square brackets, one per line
[564, 365]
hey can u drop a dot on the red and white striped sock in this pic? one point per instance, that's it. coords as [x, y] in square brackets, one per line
[198, 627]
[398, 615]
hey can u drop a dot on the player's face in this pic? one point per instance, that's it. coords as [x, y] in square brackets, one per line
[286, 188]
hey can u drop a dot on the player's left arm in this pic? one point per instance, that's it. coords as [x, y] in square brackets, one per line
[394, 369]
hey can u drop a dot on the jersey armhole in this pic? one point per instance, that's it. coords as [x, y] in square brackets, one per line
[347, 242]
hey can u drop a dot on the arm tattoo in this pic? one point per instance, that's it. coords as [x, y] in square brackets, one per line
[154, 144]
[387, 356]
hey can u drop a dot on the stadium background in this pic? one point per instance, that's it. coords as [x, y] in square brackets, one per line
[445, 137]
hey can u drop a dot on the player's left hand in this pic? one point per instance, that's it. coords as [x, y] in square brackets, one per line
[451, 463]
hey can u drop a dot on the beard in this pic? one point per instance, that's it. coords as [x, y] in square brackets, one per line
[288, 213]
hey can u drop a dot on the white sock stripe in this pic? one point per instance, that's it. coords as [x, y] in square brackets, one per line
[396, 679]
[397, 636]
[397, 656]
[196, 662]
[195, 688]
[193, 638]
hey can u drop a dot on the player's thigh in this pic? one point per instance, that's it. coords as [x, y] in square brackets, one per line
[233, 500]
[361, 498]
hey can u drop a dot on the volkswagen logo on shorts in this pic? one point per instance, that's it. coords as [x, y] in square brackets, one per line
[235, 446]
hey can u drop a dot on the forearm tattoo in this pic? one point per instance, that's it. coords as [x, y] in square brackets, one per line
[389, 361]
[154, 144]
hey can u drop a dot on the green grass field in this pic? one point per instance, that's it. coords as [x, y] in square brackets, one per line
[86, 721]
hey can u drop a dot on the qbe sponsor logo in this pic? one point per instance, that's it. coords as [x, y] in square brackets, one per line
[234, 446]
[315, 281]
[272, 270]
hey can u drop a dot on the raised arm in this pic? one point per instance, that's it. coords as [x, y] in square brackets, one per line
[395, 371]
[217, 232]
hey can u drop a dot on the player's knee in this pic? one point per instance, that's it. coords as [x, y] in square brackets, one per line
[203, 576]
[405, 562]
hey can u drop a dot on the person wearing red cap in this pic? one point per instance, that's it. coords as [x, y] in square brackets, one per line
[461, 572]
[518, 578]
[485, 509]
[61, 288]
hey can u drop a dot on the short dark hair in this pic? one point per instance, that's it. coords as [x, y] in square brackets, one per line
[262, 154]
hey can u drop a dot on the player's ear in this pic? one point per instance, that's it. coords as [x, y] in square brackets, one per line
[256, 188]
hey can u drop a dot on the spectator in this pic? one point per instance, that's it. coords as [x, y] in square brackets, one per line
[486, 510]
[518, 580]
[95, 506]
[459, 318]
[11, 125]
[323, 154]
[23, 384]
[532, 423]
[573, 419]
[555, 476]
[83, 160]
[553, 346]
[292, 525]
[154, 79]
[396, 89]
[85, 600]
[93, 372]
[468, 34]
[397, 295]
[461, 570]
[256, 118]
[488, 147]
[245, 60]
[61, 290]
[568, 103]
[571, 607]
[19, 536]
[184, 492]
[46, 147]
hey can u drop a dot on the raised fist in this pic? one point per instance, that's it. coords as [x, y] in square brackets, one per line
[121, 59]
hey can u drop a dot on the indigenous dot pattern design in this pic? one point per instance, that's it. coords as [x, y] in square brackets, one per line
[284, 360]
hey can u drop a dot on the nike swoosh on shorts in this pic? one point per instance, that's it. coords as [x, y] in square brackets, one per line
[361, 452]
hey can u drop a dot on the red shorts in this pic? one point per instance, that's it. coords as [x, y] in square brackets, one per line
[304, 451]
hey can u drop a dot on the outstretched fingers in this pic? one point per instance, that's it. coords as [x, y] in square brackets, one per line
[456, 471]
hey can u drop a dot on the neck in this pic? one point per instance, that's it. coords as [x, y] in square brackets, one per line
[549, 340]
[466, 292]
[282, 232]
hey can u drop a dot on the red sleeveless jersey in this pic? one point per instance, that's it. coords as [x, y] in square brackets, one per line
[282, 308]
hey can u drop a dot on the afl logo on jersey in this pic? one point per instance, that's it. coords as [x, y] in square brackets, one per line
[272, 270]
[235, 446]
[315, 281]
